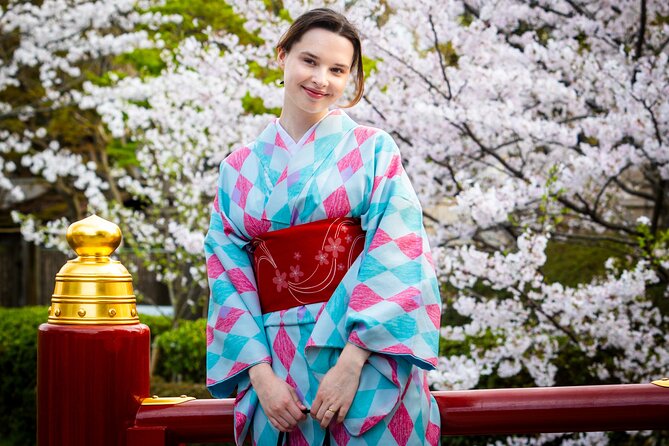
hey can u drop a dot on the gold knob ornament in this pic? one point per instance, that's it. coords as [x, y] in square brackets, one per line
[93, 289]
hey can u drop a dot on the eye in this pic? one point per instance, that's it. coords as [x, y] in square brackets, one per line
[309, 61]
[338, 70]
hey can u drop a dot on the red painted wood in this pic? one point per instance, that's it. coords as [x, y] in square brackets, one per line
[471, 412]
[148, 436]
[192, 421]
[554, 409]
[90, 380]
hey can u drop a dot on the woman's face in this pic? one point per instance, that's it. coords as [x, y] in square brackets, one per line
[315, 71]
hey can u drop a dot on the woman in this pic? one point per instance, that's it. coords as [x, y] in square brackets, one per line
[324, 310]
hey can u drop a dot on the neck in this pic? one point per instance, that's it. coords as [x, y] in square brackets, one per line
[296, 124]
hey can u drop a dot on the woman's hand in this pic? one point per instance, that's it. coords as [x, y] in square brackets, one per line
[339, 385]
[277, 398]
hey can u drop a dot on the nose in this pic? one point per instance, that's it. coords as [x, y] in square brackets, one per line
[319, 77]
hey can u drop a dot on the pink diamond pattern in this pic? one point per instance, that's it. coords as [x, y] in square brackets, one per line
[337, 204]
[240, 421]
[237, 158]
[362, 133]
[411, 245]
[401, 425]
[355, 339]
[432, 434]
[254, 226]
[237, 367]
[370, 422]
[284, 348]
[363, 297]
[226, 323]
[227, 228]
[210, 334]
[352, 160]
[214, 267]
[283, 176]
[434, 312]
[395, 167]
[243, 186]
[279, 142]
[339, 433]
[377, 181]
[240, 281]
[297, 438]
[407, 299]
[380, 239]
[398, 348]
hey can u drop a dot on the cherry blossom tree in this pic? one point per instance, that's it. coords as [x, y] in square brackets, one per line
[523, 125]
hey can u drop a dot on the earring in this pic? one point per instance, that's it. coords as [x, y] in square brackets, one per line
[281, 83]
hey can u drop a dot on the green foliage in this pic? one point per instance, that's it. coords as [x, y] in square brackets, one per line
[255, 105]
[369, 65]
[198, 15]
[146, 61]
[164, 388]
[18, 368]
[106, 79]
[450, 56]
[123, 154]
[157, 324]
[182, 352]
[267, 75]
[574, 263]
[466, 19]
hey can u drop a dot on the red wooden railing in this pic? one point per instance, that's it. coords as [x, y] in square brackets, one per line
[472, 412]
[93, 375]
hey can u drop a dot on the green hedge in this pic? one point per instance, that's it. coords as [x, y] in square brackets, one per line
[18, 369]
[182, 353]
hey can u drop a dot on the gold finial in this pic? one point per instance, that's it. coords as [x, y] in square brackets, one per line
[93, 289]
[93, 236]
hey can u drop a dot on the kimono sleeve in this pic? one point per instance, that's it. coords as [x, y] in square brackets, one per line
[394, 306]
[388, 302]
[235, 334]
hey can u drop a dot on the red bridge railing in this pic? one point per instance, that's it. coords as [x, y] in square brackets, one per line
[93, 375]
[471, 412]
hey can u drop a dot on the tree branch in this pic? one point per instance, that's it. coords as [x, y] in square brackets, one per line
[631, 191]
[416, 72]
[441, 57]
[642, 31]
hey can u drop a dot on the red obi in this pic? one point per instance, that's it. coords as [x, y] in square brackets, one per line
[304, 264]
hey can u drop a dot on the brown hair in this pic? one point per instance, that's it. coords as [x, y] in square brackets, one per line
[335, 22]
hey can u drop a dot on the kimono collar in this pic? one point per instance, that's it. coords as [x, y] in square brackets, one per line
[286, 175]
[275, 157]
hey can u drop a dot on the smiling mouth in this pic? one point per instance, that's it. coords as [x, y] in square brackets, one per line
[313, 93]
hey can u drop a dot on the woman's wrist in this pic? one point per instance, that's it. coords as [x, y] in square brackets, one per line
[353, 356]
[258, 371]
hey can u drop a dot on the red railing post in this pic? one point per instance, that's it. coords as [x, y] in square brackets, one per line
[93, 354]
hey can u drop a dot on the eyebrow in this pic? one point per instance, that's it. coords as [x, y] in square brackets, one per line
[313, 56]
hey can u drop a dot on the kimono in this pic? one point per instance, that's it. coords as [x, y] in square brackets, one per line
[388, 301]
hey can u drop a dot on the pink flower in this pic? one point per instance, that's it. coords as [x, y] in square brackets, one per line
[322, 258]
[280, 280]
[334, 247]
[349, 238]
[295, 273]
[297, 256]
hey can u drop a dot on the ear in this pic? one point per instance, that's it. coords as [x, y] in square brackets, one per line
[281, 57]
